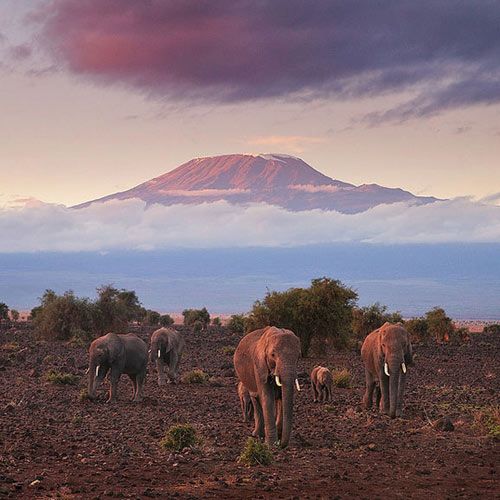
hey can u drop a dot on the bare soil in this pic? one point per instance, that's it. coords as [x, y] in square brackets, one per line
[55, 445]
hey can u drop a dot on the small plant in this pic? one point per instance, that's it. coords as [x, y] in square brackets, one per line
[195, 377]
[216, 381]
[84, 395]
[10, 346]
[255, 453]
[488, 418]
[228, 349]
[329, 408]
[55, 377]
[342, 378]
[77, 420]
[180, 436]
[80, 338]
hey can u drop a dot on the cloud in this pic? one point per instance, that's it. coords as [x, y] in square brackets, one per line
[294, 143]
[20, 52]
[446, 53]
[313, 188]
[203, 192]
[35, 226]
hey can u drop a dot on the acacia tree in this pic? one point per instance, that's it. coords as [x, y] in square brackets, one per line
[439, 325]
[322, 311]
[4, 311]
[191, 316]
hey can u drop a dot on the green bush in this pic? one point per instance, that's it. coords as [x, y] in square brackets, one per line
[228, 349]
[151, 318]
[367, 319]
[440, 326]
[191, 316]
[55, 377]
[342, 378]
[322, 311]
[217, 321]
[84, 395]
[178, 437]
[418, 330]
[493, 328]
[237, 323]
[488, 420]
[166, 320]
[255, 453]
[195, 377]
[197, 326]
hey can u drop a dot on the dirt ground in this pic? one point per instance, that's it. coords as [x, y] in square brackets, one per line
[53, 445]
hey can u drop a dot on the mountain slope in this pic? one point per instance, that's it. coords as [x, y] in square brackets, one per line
[275, 179]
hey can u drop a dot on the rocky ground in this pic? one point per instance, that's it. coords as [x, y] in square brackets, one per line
[55, 445]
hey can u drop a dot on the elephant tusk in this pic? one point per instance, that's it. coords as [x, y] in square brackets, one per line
[97, 370]
[278, 381]
[386, 369]
[87, 371]
[159, 353]
[403, 367]
[297, 384]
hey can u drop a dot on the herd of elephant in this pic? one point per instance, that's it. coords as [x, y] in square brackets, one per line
[266, 365]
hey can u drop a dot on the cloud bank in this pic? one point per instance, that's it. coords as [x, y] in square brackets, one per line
[31, 226]
[445, 53]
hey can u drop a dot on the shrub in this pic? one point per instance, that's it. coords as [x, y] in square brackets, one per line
[166, 320]
[439, 325]
[84, 395]
[55, 377]
[322, 311]
[80, 338]
[60, 315]
[418, 330]
[367, 319]
[493, 328]
[197, 326]
[178, 437]
[14, 314]
[237, 323]
[4, 311]
[228, 349]
[488, 419]
[151, 318]
[217, 321]
[342, 378]
[195, 377]
[191, 316]
[216, 381]
[255, 453]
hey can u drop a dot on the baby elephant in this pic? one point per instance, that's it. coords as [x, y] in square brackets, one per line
[321, 383]
[245, 402]
[387, 353]
[117, 354]
[166, 348]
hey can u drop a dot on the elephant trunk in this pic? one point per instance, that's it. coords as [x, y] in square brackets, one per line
[288, 378]
[394, 380]
[93, 368]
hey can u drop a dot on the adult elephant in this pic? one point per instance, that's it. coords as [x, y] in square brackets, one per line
[117, 353]
[166, 347]
[266, 363]
[386, 353]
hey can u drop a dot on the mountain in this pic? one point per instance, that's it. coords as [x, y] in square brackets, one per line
[276, 179]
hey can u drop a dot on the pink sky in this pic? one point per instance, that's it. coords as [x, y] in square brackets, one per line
[97, 99]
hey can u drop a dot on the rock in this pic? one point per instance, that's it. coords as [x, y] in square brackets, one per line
[444, 424]
[35, 482]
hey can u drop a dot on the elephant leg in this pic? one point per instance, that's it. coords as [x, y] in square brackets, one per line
[133, 378]
[243, 409]
[315, 392]
[113, 389]
[378, 395]
[175, 366]
[384, 388]
[258, 418]
[140, 378]
[401, 391]
[279, 417]
[370, 385]
[328, 393]
[160, 368]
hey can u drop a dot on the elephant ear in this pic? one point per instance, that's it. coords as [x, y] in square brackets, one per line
[409, 355]
[116, 350]
[262, 369]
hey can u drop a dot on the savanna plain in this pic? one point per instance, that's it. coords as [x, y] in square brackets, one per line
[56, 443]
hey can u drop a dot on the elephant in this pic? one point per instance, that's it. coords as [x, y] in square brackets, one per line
[266, 363]
[245, 402]
[117, 353]
[386, 353]
[321, 383]
[166, 347]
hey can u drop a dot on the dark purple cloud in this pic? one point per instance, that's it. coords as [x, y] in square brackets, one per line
[239, 50]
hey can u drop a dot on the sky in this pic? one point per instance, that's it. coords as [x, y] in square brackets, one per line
[97, 97]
